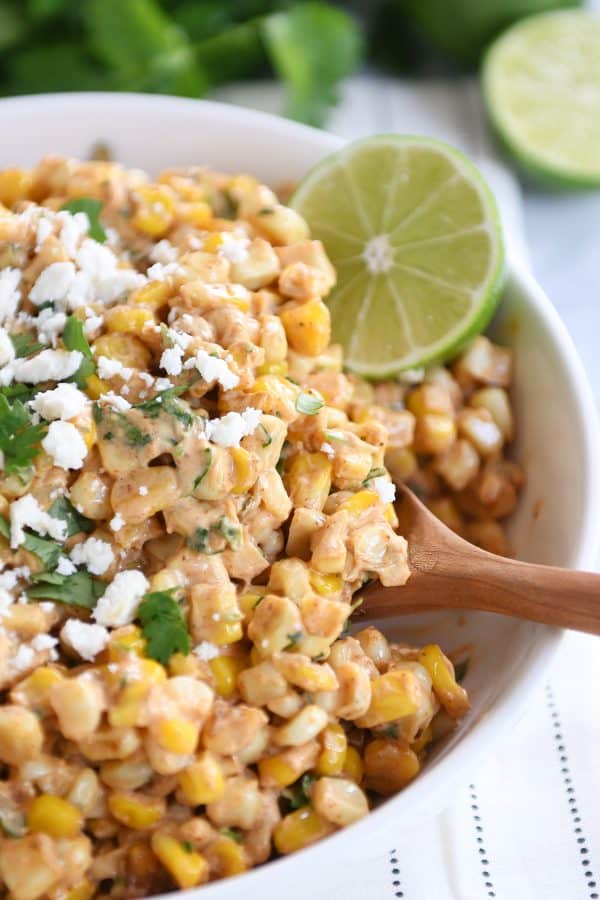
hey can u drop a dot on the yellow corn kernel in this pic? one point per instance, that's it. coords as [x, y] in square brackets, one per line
[332, 757]
[434, 433]
[94, 387]
[353, 765]
[247, 602]
[15, 184]
[307, 327]
[177, 735]
[226, 633]
[299, 829]
[229, 856]
[125, 713]
[391, 698]
[54, 816]
[390, 515]
[255, 657]
[35, 689]
[389, 765]
[400, 462]
[225, 671]
[245, 471]
[152, 295]
[429, 398]
[359, 502]
[212, 242]
[203, 780]
[308, 480]
[124, 642]
[451, 695]
[125, 348]
[277, 770]
[279, 394]
[326, 585]
[141, 862]
[196, 213]
[136, 810]
[423, 740]
[85, 890]
[89, 433]
[187, 868]
[127, 318]
[155, 210]
[273, 368]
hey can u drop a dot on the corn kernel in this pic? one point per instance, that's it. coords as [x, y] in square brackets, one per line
[434, 433]
[333, 755]
[307, 327]
[126, 712]
[422, 741]
[155, 211]
[202, 781]
[197, 213]
[400, 462]
[308, 480]
[187, 869]
[277, 770]
[353, 765]
[245, 472]
[389, 765]
[141, 862]
[54, 816]
[177, 735]
[393, 696]
[326, 585]
[122, 643]
[85, 890]
[15, 184]
[212, 242]
[451, 695]
[225, 671]
[126, 318]
[125, 348]
[229, 857]
[359, 502]
[152, 295]
[226, 633]
[95, 387]
[273, 368]
[248, 601]
[136, 810]
[35, 689]
[299, 829]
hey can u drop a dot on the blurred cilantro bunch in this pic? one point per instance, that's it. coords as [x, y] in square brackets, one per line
[188, 47]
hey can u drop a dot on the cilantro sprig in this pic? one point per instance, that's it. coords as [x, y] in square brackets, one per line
[163, 626]
[19, 437]
[79, 589]
[74, 339]
[64, 510]
[25, 344]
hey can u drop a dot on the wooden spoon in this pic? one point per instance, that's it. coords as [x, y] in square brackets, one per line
[449, 573]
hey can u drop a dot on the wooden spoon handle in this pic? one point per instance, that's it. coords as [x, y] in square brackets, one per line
[493, 584]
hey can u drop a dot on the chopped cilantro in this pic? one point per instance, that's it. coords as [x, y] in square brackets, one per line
[203, 471]
[309, 403]
[23, 392]
[79, 589]
[298, 794]
[167, 402]
[293, 639]
[75, 339]
[92, 208]
[113, 420]
[268, 439]
[75, 521]
[187, 846]
[374, 473]
[25, 344]
[163, 626]
[19, 437]
[217, 537]
[234, 834]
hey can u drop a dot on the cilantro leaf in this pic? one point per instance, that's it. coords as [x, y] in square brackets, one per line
[79, 589]
[63, 509]
[25, 344]
[167, 402]
[45, 549]
[92, 208]
[298, 793]
[234, 834]
[163, 626]
[312, 46]
[74, 339]
[19, 437]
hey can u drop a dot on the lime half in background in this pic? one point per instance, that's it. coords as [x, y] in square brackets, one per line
[541, 83]
[413, 231]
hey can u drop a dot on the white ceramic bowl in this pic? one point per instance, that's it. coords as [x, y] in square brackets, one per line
[556, 521]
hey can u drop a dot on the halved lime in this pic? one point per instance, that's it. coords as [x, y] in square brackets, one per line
[541, 83]
[414, 234]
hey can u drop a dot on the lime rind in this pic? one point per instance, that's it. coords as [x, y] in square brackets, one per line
[484, 298]
[536, 161]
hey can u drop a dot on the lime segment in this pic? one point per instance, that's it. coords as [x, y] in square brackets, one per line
[541, 83]
[413, 232]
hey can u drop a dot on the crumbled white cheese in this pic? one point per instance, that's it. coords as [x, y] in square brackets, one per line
[143, 490]
[232, 427]
[96, 555]
[53, 283]
[213, 369]
[9, 579]
[383, 487]
[73, 228]
[108, 368]
[45, 227]
[328, 450]
[65, 445]
[65, 566]
[87, 640]
[179, 338]
[162, 384]
[170, 360]
[44, 642]
[206, 651]
[163, 252]
[26, 512]
[117, 522]
[49, 365]
[160, 272]
[23, 658]
[9, 292]
[146, 377]
[6, 601]
[92, 324]
[63, 402]
[118, 605]
[50, 325]
[116, 402]
[107, 281]
[7, 350]
[234, 247]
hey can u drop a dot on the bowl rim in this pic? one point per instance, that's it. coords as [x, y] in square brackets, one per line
[511, 702]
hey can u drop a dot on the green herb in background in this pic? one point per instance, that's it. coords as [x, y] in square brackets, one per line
[19, 437]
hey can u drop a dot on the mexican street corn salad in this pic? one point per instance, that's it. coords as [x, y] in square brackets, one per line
[192, 494]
